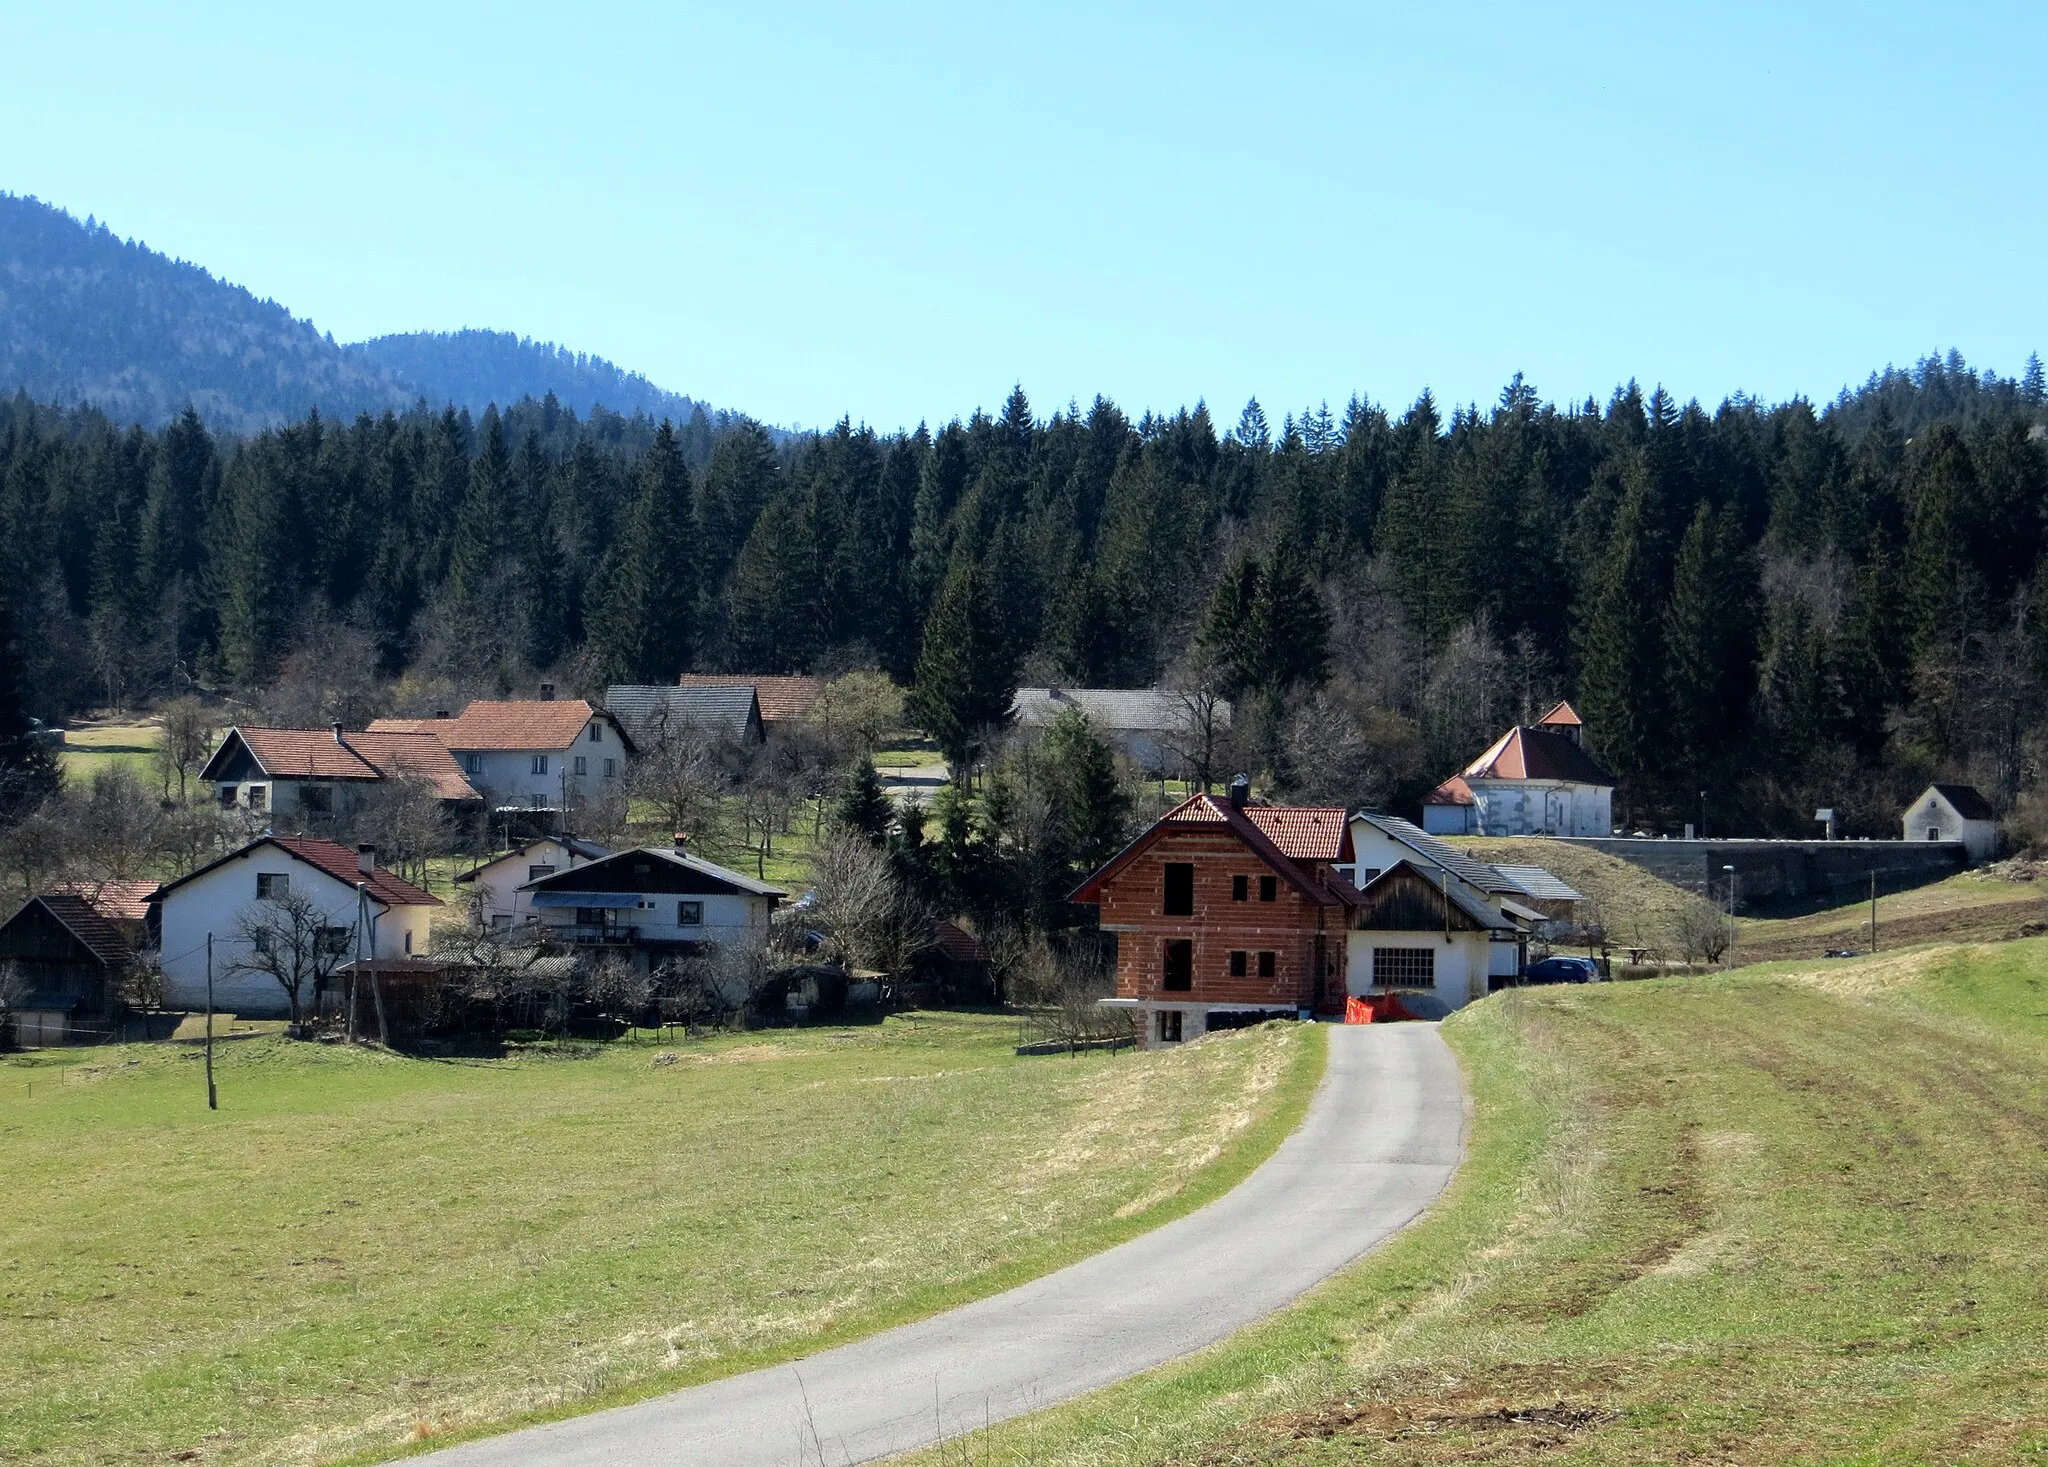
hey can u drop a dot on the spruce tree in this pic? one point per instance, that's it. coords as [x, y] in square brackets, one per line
[641, 629]
[481, 528]
[28, 765]
[1710, 642]
[861, 806]
[966, 676]
[1620, 650]
[1088, 804]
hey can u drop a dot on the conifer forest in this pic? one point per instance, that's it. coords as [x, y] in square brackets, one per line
[1759, 608]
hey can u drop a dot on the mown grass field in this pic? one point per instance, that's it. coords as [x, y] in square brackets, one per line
[92, 747]
[1969, 907]
[360, 1253]
[1791, 1216]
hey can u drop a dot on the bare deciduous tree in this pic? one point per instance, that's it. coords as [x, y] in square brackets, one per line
[864, 707]
[289, 938]
[189, 729]
[1702, 931]
[683, 774]
[404, 818]
[1059, 986]
[869, 918]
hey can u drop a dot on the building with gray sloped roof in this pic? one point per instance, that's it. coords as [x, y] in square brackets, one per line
[1152, 726]
[649, 710]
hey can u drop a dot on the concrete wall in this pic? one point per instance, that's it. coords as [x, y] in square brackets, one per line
[1461, 962]
[1789, 870]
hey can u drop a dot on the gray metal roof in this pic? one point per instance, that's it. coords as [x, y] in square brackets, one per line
[1540, 884]
[646, 709]
[1113, 710]
[1493, 880]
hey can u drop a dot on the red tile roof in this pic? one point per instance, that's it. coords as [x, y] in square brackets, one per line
[1304, 828]
[1534, 753]
[339, 861]
[378, 753]
[1305, 832]
[117, 901]
[502, 725]
[956, 944]
[782, 699]
[88, 926]
[1562, 716]
[1453, 791]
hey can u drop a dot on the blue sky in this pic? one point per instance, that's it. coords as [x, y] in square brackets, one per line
[804, 211]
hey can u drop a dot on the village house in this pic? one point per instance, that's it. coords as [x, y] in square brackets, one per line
[1955, 812]
[651, 711]
[1381, 842]
[366, 911]
[1535, 779]
[70, 962]
[497, 888]
[783, 700]
[532, 754]
[1427, 940]
[1226, 913]
[311, 775]
[654, 903]
[1155, 728]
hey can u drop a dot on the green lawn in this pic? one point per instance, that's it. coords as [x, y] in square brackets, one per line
[90, 748]
[360, 1251]
[1772, 1217]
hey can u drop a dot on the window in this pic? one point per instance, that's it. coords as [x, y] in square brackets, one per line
[258, 796]
[1269, 888]
[473, 763]
[336, 939]
[582, 765]
[597, 733]
[1268, 963]
[540, 764]
[1404, 967]
[611, 768]
[590, 916]
[1240, 888]
[227, 794]
[689, 914]
[1237, 960]
[500, 921]
[316, 799]
[1180, 890]
[1169, 1026]
[264, 942]
[1180, 965]
[271, 885]
[1934, 832]
[408, 942]
[535, 873]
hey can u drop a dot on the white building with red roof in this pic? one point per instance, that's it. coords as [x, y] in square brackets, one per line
[314, 773]
[542, 753]
[370, 912]
[1535, 779]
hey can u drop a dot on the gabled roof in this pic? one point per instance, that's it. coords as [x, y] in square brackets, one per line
[586, 850]
[1453, 791]
[1540, 884]
[320, 753]
[1291, 825]
[729, 710]
[503, 725]
[1480, 913]
[1112, 710]
[1490, 879]
[76, 915]
[117, 901]
[567, 880]
[956, 944]
[783, 698]
[329, 857]
[1562, 716]
[1534, 753]
[1967, 801]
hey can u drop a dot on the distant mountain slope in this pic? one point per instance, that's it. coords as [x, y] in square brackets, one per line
[479, 367]
[86, 316]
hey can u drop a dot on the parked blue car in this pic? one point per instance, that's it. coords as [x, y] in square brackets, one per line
[1562, 970]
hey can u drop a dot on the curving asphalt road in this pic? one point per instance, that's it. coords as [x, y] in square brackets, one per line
[1381, 1138]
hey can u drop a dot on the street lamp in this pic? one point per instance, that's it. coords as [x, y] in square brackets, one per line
[1731, 914]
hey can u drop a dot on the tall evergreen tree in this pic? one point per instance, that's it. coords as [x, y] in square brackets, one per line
[1620, 651]
[966, 673]
[641, 631]
[1710, 643]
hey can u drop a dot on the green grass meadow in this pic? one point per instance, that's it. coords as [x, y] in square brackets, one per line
[360, 1254]
[1782, 1216]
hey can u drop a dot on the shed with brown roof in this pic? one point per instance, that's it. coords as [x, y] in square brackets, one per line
[784, 698]
[72, 961]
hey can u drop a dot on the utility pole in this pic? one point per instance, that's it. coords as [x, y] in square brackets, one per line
[1873, 909]
[212, 1096]
[1731, 915]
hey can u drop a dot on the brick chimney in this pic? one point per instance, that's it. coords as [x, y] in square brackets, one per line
[547, 692]
[337, 733]
[682, 842]
[366, 860]
[1240, 790]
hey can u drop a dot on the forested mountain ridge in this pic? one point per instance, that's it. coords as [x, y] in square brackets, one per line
[1761, 604]
[86, 317]
[477, 368]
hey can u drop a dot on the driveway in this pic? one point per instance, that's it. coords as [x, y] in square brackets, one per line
[1381, 1138]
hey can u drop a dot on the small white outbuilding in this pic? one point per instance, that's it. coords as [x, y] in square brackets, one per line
[1955, 812]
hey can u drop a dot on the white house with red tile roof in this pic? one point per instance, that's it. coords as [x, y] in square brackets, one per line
[369, 910]
[1535, 779]
[541, 753]
[318, 772]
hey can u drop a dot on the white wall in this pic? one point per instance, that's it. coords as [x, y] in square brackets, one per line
[1932, 812]
[1541, 807]
[1450, 819]
[502, 903]
[214, 902]
[1461, 962]
[729, 919]
[506, 777]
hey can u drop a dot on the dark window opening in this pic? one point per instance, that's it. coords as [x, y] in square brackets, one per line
[1180, 965]
[1404, 967]
[1169, 1026]
[1269, 888]
[689, 914]
[1180, 890]
[1240, 888]
[272, 886]
[1237, 965]
[316, 799]
[1268, 962]
[1218, 1020]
